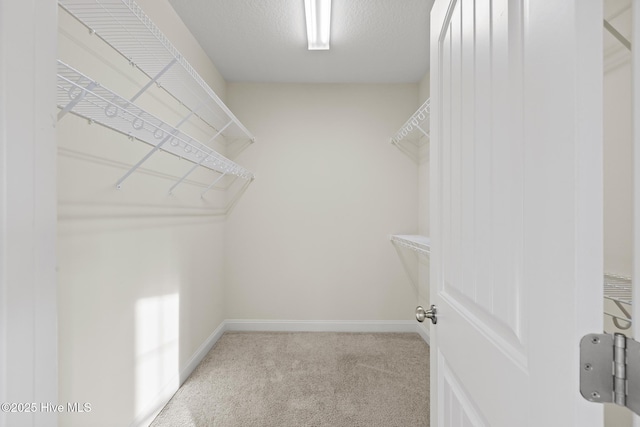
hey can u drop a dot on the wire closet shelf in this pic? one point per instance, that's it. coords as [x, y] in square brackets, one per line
[124, 26]
[86, 98]
[619, 290]
[414, 128]
[417, 243]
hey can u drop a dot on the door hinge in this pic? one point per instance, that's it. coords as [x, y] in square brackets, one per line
[610, 370]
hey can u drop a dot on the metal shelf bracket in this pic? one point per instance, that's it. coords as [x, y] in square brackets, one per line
[196, 166]
[153, 80]
[74, 101]
[212, 184]
[153, 151]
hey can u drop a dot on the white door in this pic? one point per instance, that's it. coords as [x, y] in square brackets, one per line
[516, 187]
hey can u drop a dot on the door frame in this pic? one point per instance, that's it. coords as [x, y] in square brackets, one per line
[28, 221]
[635, 123]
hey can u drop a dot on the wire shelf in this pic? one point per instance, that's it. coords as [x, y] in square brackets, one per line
[84, 97]
[417, 243]
[123, 25]
[416, 127]
[617, 288]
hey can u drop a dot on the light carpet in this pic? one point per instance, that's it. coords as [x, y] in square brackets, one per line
[318, 379]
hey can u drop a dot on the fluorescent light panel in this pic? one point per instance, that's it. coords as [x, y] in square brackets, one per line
[318, 13]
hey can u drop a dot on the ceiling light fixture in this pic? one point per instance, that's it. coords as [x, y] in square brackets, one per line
[318, 13]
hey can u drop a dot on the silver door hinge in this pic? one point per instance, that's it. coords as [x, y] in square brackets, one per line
[610, 370]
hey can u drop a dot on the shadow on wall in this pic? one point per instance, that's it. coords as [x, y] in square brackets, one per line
[218, 193]
[416, 268]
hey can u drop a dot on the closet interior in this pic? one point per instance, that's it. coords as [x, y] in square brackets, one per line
[412, 139]
[618, 179]
[175, 227]
[176, 223]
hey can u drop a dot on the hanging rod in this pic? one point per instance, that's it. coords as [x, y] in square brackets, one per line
[86, 98]
[124, 26]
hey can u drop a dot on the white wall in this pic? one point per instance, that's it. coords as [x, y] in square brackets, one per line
[28, 345]
[140, 272]
[423, 202]
[310, 239]
[424, 88]
[423, 186]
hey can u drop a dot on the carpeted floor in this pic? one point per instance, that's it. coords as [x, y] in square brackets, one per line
[299, 379]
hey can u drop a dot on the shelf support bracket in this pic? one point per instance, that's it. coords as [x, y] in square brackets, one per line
[153, 151]
[144, 159]
[188, 173]
[615, 33]
[422, 130]
[220, 131]
[212, 184]
[201, 161]
[153, 80]
[75, 100]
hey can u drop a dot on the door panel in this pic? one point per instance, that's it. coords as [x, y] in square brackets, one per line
[514, 187]
[458, 407]
[482, 209]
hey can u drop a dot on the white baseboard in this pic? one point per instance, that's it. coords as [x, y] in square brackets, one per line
[320, 325]
[202, 351]
[148, 415]
[423, 331]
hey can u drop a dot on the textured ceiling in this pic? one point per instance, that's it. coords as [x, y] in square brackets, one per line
[372, 41]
